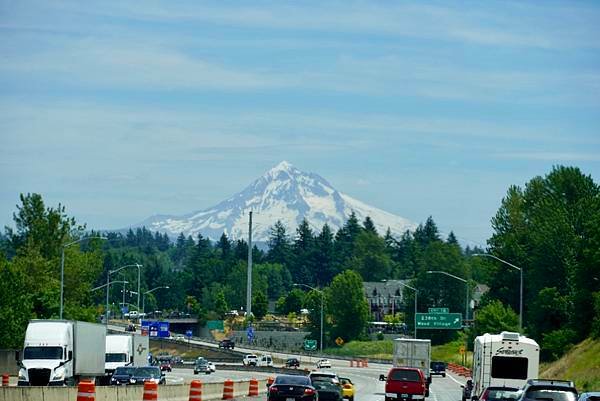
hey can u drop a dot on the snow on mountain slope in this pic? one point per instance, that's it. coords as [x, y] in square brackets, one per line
[282, 193]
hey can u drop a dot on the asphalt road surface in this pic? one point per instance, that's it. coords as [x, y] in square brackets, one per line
[366, 382]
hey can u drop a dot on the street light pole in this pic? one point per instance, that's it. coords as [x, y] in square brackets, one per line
[489, 255]
[322, 302]
[108, 285]
[458, 278]
[416, 294]
[148, 292]
[62, 269]
[139, 267]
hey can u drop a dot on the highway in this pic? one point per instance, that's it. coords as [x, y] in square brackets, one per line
[366, 381]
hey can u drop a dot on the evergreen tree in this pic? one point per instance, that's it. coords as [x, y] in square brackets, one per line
[369, 226]
[370, 257]
[304, 268]
[345, 241]
[324, 257]
[279, 245]
[224, 245]
[426, 234]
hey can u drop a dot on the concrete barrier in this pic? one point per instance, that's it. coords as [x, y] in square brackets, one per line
[8, 364]
[177, 392]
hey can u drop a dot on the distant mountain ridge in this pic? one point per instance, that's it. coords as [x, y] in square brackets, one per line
[283, 193]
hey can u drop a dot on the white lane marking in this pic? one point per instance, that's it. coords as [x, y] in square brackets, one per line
[450, 376]
[431, 392]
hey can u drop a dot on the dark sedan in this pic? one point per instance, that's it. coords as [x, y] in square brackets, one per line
[122, 375]
[292, 363]
[288, 387]
[147, 373]
[327, 389]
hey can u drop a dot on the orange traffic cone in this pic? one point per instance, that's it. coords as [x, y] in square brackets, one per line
[86, 391]
[253, 389]
[228, 389]
[150, 391]
[195, 390]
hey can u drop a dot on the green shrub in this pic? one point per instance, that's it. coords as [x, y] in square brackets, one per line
[556, 343]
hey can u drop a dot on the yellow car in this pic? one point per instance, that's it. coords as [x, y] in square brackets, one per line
[347, 388]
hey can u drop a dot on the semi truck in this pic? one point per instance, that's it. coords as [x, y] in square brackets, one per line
[507, 359]
[61, 352]
[125, 350]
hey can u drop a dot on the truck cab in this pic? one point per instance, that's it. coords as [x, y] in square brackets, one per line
[59, 352]
[47, 354]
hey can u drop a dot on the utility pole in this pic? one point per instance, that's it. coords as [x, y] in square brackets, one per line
[249, 285]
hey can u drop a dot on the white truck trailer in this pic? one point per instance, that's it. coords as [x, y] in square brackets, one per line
[125, 350]
[413, 353]
[61, 352]
[505, 359]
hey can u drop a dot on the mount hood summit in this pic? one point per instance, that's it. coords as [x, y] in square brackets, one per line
[283, 193]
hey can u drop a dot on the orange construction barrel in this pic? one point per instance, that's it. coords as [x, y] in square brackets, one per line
[195, 390]
[150, 391]
[86, 391]
[228, 389]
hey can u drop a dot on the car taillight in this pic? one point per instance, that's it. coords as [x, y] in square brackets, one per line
[309, 391]
[347, 386]
[273, 389]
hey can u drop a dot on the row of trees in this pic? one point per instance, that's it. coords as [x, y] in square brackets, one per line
[551, 229]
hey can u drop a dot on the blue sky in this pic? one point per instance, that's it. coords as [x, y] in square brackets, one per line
[120, 110]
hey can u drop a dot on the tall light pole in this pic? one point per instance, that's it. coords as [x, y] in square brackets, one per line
[322, 301]
[62, 269]
[416, 294]
[108, 284]
[148, 292]
[458, 278]
[139, 267]
[249, 283]
[489, 255]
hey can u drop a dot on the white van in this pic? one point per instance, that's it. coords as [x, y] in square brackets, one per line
[265, 360]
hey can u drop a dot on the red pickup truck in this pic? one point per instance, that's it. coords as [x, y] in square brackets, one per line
[405, 384]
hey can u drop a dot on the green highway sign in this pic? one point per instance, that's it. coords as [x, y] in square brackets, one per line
[439, 310]
[310, 345]
[439, 320]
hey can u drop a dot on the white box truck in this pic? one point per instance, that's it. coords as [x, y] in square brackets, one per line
[413, 353]
[125, 350]
[59, 352]
[506, 359]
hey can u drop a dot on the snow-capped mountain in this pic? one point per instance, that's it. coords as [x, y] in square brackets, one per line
[282, 193]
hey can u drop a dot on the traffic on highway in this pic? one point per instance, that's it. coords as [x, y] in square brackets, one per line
[505, 368]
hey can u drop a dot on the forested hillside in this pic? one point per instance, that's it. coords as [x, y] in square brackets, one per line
[550, 229]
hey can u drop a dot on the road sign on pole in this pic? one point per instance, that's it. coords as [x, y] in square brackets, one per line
[439, 320]
[310, 345]
[250, 333]
[439, 310]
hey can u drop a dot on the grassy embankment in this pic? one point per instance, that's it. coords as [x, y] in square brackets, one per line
[383, 350]
[581, 364]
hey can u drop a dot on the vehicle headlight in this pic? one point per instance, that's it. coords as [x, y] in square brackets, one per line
[22, 374]
[132, 381]
[59, 374]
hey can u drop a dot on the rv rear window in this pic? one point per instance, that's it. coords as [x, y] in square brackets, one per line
[505, 367]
